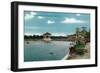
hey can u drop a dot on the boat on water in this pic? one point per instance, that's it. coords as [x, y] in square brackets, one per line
[27, 42]
[51, 53]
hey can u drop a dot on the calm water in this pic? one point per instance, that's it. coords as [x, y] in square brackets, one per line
[42, 51]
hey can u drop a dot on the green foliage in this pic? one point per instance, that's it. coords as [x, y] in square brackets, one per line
[83, 32]
[80, 48]
[80, 51]
[79, 45]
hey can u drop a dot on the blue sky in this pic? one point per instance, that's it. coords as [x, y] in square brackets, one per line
[57, 23]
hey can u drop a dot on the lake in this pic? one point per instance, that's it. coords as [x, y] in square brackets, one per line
[43, 51]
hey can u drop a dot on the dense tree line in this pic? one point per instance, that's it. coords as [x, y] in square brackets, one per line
[33, 37]
[41, 37]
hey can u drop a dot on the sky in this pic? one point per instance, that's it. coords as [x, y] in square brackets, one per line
[56, 23]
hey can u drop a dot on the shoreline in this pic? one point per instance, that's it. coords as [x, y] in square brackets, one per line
[50, 40]
[85, 56]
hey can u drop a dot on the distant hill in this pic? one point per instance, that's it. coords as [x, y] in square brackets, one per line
[71, 37]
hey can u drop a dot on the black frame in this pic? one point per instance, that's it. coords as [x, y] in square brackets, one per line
[14, 35]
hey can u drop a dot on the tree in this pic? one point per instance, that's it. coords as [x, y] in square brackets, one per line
[77, 34]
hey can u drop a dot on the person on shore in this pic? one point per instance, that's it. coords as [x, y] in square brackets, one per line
[72, 50]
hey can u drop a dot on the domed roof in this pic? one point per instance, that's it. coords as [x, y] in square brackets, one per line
[47, 33]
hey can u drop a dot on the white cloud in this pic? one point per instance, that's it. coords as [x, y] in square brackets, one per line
[50, 22]
[30, 15]
[28, 34]
[62, 33]
[78, 14]
[58, 34]
[32, 33]
[40, 17]
[72, 20]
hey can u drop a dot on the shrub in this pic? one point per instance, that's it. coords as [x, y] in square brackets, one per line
[80, 51]
[80, 48]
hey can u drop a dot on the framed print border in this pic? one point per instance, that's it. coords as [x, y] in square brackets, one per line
[15, 34]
